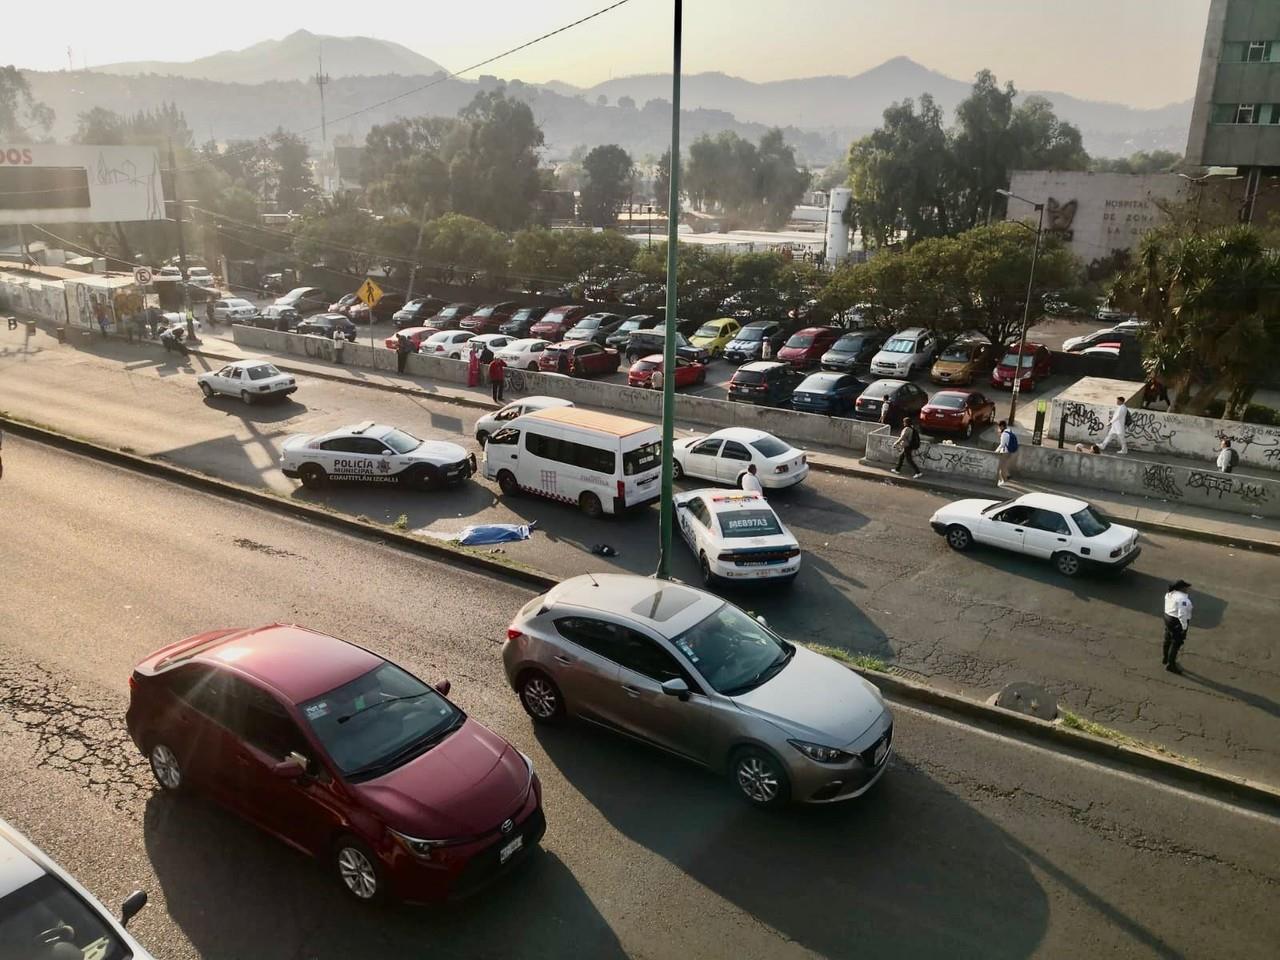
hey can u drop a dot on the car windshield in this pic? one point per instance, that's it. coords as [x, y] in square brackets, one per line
[1011, 359]
[952, 401]
[642, 365]
[749, 523]
[751, 333]
[747, 376]
[708, 330]
[448, 313]
[628, 326]
[848, 344]
[588, 323]
[956, 353]
[46, 911]
[801, 340]
[380, 720]
[522, 315]
[900, 345]
[263, 371]
[643, 458]
[400, 442]
[771, 447]
[1090, 522]
[732, 651]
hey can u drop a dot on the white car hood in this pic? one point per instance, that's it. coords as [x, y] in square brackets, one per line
[963, 509]
[437, 451]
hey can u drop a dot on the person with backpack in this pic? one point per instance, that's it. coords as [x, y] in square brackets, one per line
[1227, 457]
[908, 443]
[1006, 453]
[1120, 419]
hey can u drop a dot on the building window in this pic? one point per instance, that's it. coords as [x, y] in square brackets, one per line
[1259, 51]
[1251, 51]
[1245, 113]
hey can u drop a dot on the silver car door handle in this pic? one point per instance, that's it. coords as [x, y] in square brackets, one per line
[631, 691]
[562, 659]
[1018, 530]
[1062, 539]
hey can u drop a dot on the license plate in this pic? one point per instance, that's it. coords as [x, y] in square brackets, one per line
[879, 754]
[510, 849]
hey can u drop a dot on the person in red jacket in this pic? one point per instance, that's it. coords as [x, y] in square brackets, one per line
[497, 378]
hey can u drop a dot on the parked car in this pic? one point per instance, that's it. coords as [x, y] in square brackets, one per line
[962, 362]
[493, 342]
[555, 323]
[1116, 334]
[769, 383]
[305, 300]
[203, 276]
[415, 336]
[957, 411]
[417, 312]
[578, 359]
[831, 393]
[724, 456]
[904, 353]
[698, 677]
[595, 327]
[715, 335]
[804, 348]
[272, 316]
[388, 305]
[1036, 361]
[689, 373]
[491, 422]
[250, 380]
[748, 343]
[489, 317]
[447, 343]
[451, 316]
[339, 753]
[276, 283]
[523, 354]
[1067, 531]
[621, 337]
[889, 401]
[324, 324]
[344, 304]
[521, 322]
[234, 310]
[44, 909]
[642, 343]
[736, 538]
[853, 351]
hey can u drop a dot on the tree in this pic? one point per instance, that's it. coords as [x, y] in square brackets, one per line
[1157, 161]
[406, 164]
[1044, 142]
[983, 148]
[542, 254]
[290, 182]
[458, 247]
[662, 182]
[22, 116]
[337, 235]
[779, 182]
[494, 172]
[606, 184]
[750, 184]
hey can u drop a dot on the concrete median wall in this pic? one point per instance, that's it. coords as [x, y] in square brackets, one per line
[947, 459]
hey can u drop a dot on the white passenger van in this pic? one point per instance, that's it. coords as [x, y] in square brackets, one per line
[600, 462]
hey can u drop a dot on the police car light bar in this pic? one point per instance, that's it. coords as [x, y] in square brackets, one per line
[362, 427]
[732, 497]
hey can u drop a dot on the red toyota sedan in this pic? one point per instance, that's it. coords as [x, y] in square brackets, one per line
[578, 358]
[1036, 360]
[341, 754]
[688, 372]
[804, 349]
[415, 334]
[957, 411]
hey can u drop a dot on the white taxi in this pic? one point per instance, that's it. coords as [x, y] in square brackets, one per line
[736, 537]
[249, 380]
[374, 453]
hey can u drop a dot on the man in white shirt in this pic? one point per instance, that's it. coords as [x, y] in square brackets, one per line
[1177, 618]
[656, 381]
[1227, 458]
[751, 483]
[1115, 428]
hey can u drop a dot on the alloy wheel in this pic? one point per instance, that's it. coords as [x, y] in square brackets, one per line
[540, 697]
[357, 873]
[165, 766]
[758, 779]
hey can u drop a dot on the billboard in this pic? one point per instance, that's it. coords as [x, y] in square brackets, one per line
[56, 183]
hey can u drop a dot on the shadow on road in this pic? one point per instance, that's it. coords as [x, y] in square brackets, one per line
[237, 893]
[1255, 700]
[271, 411]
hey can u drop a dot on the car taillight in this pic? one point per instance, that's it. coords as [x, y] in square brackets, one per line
[622, 490]
[781, 469]
[133, 682]
[513, 633]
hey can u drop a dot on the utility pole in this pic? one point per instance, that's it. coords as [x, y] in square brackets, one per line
[1026, 307]
[321, 79]
[180, 216]
[417, 250]
[665, 517]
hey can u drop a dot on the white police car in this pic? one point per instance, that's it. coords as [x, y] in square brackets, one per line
[374, 453]
[736, 537]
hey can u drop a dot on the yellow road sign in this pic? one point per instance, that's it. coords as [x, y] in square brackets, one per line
[369, 293]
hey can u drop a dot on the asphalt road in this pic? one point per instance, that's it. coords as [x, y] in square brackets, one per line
[971, 846]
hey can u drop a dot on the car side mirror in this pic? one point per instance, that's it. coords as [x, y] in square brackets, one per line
[676, 687]
[291, 767]
[133, 903]
[762, 621]
[388, 453]
[443, 688]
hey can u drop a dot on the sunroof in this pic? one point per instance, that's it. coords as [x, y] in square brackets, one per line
[665, 604]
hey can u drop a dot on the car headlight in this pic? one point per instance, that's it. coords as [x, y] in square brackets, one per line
[819, 753]
[424, 849]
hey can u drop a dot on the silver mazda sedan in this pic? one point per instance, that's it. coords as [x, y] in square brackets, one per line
[683, 670]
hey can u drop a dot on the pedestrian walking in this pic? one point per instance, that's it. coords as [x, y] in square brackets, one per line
[656, 381]
[766, 350]
[403, 349]
[908, 443]
[339, 346]
[1006, 453]
[497, 378]
[751, 482]
[1227, 457]
[209, 314]
[1177, 618]
[1120, 418]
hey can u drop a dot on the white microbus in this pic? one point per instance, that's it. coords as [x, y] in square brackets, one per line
[600, 462]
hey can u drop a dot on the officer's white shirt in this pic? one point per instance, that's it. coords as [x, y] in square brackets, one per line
[1178, 604]
[1117, 417]
[751, 483]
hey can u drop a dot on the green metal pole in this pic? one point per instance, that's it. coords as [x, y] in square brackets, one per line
[669, 346]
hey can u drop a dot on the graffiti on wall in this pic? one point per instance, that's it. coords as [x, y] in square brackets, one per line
[1245, 436]
[954, 460]
[1225, 485]
[1145, 426]
[1159, 479]
[1083, 417]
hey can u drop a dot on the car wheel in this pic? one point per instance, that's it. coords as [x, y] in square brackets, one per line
[704, 567]
[1068, 564]
[589, 504]
[166, 768]
[959, 538]
[425, 478]
[358, 870]
[455, 356]
[533, 367]
[313, 476]
[507, 483]
[540, 697]
[246, 397]
[760, 778]
[677, 471]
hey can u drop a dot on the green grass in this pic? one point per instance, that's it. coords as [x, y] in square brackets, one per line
[1073, 721]
[402, 522]
[863, 661]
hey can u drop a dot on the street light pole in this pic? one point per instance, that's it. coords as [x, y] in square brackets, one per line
[1026, 307]
[669, 345]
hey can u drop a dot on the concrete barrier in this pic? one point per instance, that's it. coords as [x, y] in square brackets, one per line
[933, 456]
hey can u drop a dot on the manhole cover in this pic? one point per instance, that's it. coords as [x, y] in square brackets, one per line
[1028, 698]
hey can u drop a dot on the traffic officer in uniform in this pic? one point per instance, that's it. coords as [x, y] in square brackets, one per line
[1177, 618]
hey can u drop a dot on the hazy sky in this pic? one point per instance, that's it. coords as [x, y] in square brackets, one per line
[1144, 52]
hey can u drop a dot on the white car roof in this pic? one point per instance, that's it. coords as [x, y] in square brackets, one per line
[742, 435]
[662, 606]
[365, 429]
[490, 337]
[524, 343]
[1052, 501]
[544, 403]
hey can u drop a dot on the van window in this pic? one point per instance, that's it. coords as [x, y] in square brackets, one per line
[642, 459]
[508, 435]
[567, 451]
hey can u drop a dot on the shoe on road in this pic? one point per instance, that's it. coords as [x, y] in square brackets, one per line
[917, 476]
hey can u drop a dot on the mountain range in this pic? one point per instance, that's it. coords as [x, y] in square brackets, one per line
[246, 93]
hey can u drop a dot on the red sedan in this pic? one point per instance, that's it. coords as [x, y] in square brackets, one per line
[341, 754]
[578, 358]
[957, 411]
[688, 372]
[1036, 359]
[415, 334]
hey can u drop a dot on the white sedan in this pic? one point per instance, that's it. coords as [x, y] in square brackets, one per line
[1064, 530]
[736, 536]
[447, 343]
[724, 456]
[250, 380]
[492, 422]
[494, 341]
[234, 310]
[523, 354]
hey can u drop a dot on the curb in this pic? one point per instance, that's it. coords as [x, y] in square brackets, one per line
[1045, 732]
